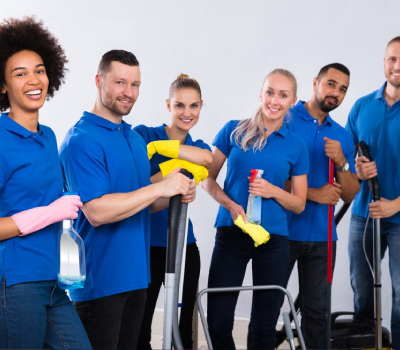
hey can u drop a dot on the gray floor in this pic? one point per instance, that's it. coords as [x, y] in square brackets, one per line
[239, 333]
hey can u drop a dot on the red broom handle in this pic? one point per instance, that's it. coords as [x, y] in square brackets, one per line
[330, 224]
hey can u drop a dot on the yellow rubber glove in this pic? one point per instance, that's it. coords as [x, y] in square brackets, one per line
[167, 148]
[199, 172]
[259, 234]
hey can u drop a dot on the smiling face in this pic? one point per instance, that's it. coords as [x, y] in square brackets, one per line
[119, 89]
[26, 82]
[392, 64]
[330, 89]
[185, 106]
[277, 96]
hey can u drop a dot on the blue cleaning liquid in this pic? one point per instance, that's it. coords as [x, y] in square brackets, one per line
[256, 214]
[71, 282]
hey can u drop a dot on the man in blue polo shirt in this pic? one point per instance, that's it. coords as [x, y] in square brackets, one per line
[325, 140]
[106, 161]
[375, 119]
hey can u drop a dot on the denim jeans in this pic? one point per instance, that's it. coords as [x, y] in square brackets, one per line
[38, 315]
[361, 276]
[113, 322]
[192, 272]
[312, 267]
[233, 250]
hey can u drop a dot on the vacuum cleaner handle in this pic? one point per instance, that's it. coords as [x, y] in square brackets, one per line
[175, 205]
[373, 183]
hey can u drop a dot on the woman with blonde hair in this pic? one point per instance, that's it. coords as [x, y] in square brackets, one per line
[261, 142]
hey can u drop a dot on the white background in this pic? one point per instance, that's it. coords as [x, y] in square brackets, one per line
[228, 46]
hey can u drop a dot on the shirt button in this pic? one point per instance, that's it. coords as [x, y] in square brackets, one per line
[119, 129]
[315, 121]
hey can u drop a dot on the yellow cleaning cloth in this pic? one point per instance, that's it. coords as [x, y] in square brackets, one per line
[199, 172]
[257, 232]
[167, 148]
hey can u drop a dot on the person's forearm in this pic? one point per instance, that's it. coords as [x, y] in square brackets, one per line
[159, 204]
[312, 194]
[211, 186]
[118, 206]
[195, 155]
[8, 228]
[289, 201]
[156, 178]
[349, 185]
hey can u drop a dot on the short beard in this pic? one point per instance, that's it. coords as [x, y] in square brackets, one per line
[395, 85]
[113, 107]
[325, 107]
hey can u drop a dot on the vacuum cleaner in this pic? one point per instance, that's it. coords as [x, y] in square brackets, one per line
[176, 242]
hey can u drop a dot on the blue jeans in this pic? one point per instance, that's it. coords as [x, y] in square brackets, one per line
[312, 267]
[233, 250]
[361, 276]
[38, 315]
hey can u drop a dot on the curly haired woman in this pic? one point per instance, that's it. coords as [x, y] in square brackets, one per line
[35, 313]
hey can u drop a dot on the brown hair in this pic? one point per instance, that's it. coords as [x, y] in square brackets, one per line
[183, 81]
[394, 40]
[121, 56]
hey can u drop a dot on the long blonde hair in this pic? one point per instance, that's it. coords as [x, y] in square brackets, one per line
[250, 132]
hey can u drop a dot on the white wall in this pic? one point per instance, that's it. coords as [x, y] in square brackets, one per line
[229, 46]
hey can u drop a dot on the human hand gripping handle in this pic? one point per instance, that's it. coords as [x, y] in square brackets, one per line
[199, 172]
[167, 148]
[35, 219]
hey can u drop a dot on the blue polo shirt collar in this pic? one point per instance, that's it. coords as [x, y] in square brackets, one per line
[9, 124]
[162, 134]
[102, 122]
[307, 116]
[379, 93]
[283, 131]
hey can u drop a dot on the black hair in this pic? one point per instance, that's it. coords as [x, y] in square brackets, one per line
[338, 66]
[28, 34]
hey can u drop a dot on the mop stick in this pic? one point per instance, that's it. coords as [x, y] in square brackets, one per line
[329, 269]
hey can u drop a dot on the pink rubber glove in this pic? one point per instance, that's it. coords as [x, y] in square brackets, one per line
[35, 219]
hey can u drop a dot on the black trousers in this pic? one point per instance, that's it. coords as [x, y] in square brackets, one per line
[113, 322]
[192, 272]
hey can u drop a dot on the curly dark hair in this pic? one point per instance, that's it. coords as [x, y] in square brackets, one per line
[29, 34]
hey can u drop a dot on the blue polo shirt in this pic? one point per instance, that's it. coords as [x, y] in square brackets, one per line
[312, 224]
[159, 220]
[371, 120]
[30, 177]
[98, 158]
[284, 155]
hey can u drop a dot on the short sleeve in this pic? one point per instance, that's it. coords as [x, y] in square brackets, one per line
[349, 151]
[223, 139]
[302, 165]
[143, 131]
[84, 169]
[201, 144]
[351, 126]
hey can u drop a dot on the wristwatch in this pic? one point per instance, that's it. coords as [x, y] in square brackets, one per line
[343, 168]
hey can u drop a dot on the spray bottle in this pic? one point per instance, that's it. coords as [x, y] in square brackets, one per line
[253, 211]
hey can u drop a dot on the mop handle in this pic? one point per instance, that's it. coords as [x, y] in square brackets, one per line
[330, 224]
